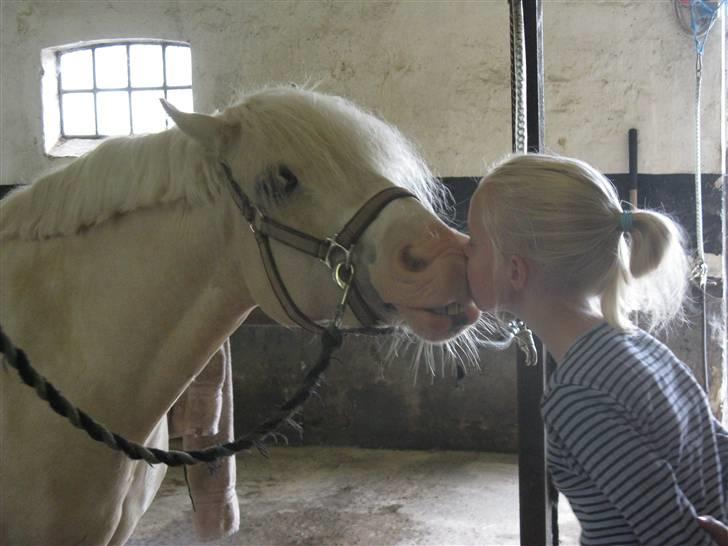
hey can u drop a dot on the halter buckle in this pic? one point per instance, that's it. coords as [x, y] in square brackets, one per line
[334, 246]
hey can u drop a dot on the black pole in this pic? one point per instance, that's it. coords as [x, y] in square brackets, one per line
[633, 177]
[533, 30]
[537, 496]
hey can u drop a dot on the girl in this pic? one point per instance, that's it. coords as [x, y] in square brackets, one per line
[632, 442]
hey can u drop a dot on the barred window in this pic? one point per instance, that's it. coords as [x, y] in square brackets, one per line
[103, 89]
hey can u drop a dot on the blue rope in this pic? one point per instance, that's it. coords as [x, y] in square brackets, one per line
[703, 15]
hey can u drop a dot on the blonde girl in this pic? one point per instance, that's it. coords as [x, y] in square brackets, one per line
[632, 442]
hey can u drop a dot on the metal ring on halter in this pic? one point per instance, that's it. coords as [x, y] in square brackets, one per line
[344, 280]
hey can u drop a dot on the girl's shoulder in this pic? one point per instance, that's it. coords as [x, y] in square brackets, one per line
[634, 369]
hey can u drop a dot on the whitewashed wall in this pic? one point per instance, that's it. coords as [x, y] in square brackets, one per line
[438, 70]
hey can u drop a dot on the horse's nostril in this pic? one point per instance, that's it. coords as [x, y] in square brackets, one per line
[411, 262]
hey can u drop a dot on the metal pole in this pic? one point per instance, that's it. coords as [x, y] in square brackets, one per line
[537, 496]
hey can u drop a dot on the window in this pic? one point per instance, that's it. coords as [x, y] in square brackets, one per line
[95, 90]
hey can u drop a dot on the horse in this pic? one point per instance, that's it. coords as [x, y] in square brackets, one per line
[124, 271]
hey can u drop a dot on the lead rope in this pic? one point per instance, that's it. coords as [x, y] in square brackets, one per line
[331, 339]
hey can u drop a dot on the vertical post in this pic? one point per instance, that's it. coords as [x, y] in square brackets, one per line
[537, 496]
[533, 44]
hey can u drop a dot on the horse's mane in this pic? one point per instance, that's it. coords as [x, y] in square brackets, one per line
[332, 139]
[120, 175]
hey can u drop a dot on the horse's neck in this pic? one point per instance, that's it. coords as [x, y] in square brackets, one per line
[121, 175]
[134, 309]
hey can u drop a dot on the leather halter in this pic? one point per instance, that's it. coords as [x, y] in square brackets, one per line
[335, 252]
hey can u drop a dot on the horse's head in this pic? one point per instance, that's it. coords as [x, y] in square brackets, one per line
[309, 161]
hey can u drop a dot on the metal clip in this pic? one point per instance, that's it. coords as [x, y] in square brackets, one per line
[344, 283]
[523, 337]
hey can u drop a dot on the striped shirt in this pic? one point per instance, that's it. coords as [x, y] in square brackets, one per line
[632, 442]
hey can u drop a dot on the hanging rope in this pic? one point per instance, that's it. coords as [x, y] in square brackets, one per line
[518, 329]
[518, 79]
[703, 15]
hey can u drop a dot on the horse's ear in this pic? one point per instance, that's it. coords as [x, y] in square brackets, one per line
[213, 133]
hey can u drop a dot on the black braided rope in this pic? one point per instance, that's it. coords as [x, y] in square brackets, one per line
[331, 340]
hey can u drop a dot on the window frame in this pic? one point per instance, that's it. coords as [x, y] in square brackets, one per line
[60, 144]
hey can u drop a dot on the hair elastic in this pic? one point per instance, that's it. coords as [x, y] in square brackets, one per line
[625, 220]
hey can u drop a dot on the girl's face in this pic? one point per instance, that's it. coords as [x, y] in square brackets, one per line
[480, 254]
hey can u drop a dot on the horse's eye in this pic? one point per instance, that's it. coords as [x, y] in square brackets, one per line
[289, 179]
[273, 186]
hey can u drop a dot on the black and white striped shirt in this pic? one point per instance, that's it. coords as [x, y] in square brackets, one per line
[632, 442]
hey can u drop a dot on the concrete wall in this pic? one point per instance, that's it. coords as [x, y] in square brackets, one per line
[369, 401]
[439, 71]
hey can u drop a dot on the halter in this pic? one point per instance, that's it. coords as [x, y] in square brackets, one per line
[335, 252]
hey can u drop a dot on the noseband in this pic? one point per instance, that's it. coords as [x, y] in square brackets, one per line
[334, 251]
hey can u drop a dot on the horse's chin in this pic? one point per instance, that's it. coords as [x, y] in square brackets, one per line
[436, 327]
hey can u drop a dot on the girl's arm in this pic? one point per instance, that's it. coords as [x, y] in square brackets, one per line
[599, 438]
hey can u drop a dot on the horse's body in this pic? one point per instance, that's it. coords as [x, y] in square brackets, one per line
[123, 273]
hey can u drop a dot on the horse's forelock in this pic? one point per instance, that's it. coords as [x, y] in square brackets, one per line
[345, 140]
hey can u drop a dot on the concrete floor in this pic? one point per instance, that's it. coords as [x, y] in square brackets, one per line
[345, 497]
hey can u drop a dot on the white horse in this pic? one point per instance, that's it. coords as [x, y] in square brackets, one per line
[123, 272]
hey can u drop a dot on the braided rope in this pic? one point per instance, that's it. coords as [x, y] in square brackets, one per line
[701, 270]
[702, 18]
[518, 79]
[331, 339]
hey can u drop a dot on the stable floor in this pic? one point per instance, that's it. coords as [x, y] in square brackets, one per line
[345, 497]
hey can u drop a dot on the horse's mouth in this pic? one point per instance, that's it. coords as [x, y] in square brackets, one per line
[433, 322]
[451, 309]
[441, 322]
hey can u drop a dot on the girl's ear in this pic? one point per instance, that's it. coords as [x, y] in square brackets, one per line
[518, 272]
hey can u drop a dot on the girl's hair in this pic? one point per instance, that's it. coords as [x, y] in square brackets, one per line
[567, 218]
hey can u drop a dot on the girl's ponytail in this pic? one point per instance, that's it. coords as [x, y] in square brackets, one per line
[658, 267]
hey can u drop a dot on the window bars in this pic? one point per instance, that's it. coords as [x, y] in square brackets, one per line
[112, 88]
